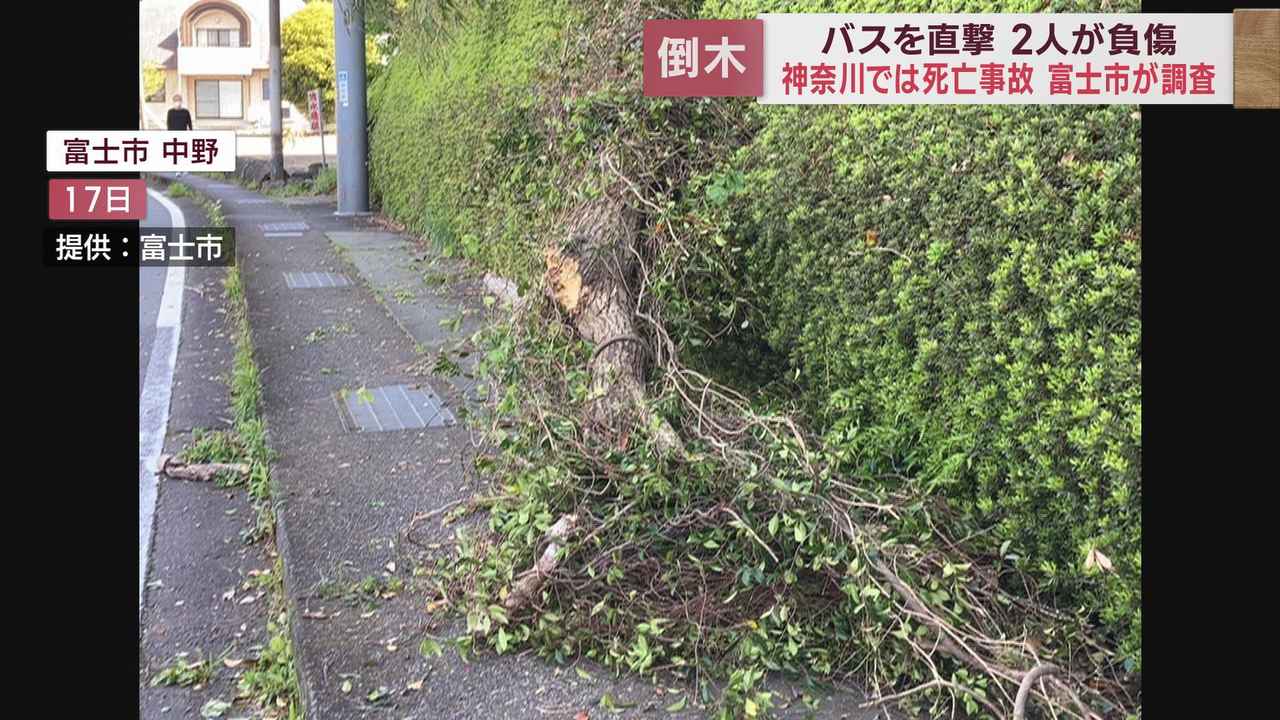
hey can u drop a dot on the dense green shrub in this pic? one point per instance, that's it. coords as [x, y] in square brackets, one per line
[956, 290]
[153, 80]
[455, 152]
[325, 181]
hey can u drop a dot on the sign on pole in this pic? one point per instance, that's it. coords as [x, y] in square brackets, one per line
[313, 110]
[317, 119]
[344, 89]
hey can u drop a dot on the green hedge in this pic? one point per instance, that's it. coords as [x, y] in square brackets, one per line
[454, 151]
[988, 343]
[957, 291]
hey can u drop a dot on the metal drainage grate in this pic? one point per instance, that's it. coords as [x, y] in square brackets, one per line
[284, 227]
[392, 407]
[300, 280]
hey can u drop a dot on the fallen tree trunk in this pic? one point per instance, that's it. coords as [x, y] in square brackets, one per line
[590, 278]
[200, 472]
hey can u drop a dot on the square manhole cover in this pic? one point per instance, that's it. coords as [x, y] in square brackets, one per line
[300, 280]
[284, 227]
[392, 407]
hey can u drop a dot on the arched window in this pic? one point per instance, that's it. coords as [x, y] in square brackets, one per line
[215, 24]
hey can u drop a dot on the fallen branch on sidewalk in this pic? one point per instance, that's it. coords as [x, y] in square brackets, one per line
[530, 581]
[758, 525]
[175, 469]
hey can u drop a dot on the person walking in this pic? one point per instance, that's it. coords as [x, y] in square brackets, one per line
[179, 118]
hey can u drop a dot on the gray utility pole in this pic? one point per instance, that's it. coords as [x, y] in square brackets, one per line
[353, 138]
[277, 122]
[142, 91]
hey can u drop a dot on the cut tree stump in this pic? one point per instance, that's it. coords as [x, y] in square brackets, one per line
[589, 279]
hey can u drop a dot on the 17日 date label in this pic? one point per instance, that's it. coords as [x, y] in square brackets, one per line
[105, 246]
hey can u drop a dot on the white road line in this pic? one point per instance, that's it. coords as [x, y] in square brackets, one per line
[157, 390]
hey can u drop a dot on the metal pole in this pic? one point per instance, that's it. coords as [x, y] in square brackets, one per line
[277, 121]
[353, 140]
[142, 86]
[324, 160]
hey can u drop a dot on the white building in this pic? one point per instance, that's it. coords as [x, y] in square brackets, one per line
[216, 54]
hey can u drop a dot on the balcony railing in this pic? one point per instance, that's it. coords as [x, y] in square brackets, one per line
[205, 60]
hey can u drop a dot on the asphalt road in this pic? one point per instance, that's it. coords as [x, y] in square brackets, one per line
[160, 292]
[150, 290]
[200, 598]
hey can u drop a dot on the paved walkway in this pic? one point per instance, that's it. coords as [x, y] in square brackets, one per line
[346, 498]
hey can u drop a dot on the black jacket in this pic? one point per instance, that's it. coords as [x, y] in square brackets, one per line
[179, 119]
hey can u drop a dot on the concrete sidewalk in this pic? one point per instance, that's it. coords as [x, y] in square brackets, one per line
[346, 498]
